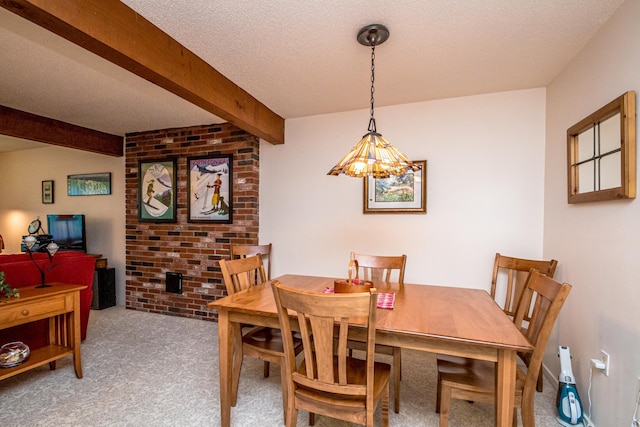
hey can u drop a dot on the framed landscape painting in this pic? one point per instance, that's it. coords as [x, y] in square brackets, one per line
[210, 184]
[397, 194]
[89, 184]
[157, 190]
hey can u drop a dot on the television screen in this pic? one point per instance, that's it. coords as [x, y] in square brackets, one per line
[68, 231]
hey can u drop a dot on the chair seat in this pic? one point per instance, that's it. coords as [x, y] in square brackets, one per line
[269, 340]
[448, 362]
[475, 376]
[396, 352]
[314, 400]
[380, 348]
[458, 360]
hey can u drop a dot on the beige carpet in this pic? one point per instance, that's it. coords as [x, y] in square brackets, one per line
[145, 369]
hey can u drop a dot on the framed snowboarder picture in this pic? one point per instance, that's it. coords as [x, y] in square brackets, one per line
[157, 190]
[210, 184]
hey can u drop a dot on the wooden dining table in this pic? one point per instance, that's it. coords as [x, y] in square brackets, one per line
[439, 319]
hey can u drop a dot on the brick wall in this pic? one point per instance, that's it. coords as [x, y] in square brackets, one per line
[193, 249]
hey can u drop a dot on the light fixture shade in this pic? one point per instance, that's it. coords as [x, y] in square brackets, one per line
[374, 156]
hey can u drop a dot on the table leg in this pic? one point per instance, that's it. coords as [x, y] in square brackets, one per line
[53, 339]
[74, 335]
[225, 346]
[505, 387]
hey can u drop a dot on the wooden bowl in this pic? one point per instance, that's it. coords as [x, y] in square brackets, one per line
[342, 287]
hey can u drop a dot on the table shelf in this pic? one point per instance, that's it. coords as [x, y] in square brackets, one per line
[38, 357]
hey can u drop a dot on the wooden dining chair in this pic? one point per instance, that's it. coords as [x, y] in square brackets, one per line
[387, 269]
[509, 277]
[507, 282]
[475, 381]
[327, 381]
[254, 341]
[378, 268]
[243, 251]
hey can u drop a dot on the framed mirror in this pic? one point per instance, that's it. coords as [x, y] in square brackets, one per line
[601, 153]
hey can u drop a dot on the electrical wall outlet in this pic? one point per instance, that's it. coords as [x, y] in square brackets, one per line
[606, 360]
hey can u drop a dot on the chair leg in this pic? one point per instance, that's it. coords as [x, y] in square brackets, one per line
[527, 413]
[445, 405]
[539, 383]
[385, 408]
[292, 417]
[265, 370]
[438, 386]
[397, 373]
[284, 385]
[237, 365]
[312, 419]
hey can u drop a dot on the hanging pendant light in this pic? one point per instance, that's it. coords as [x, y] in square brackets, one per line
[373, 156]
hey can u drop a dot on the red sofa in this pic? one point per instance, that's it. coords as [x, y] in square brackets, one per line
[70, 267]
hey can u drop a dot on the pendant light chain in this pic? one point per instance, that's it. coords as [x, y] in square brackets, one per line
[373, 156]
[372, 121]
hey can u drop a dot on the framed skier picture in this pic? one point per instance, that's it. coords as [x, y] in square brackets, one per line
[157, 190]
[210, 184]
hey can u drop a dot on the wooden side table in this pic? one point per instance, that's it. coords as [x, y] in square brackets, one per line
[59, 303]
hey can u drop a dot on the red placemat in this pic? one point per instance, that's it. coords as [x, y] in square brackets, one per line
[385, 300]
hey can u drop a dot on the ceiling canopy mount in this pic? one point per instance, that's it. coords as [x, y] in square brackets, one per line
[373, 35]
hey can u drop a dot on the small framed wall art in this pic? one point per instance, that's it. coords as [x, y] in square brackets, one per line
[89, 184]
[157, 190]
[210, 184]
[47, 192]
[397, 194]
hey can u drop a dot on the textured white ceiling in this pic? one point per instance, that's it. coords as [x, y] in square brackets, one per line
[301, 58]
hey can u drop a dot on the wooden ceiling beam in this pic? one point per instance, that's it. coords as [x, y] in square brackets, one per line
[20, 124]
[112, 30]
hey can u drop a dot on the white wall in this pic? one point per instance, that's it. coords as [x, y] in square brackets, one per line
[21, 196]
[597, 244]
[485, 172]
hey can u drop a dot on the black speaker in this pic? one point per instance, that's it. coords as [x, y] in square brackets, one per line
[104, 288]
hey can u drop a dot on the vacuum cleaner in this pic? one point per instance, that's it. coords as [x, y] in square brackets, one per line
[567, 400]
